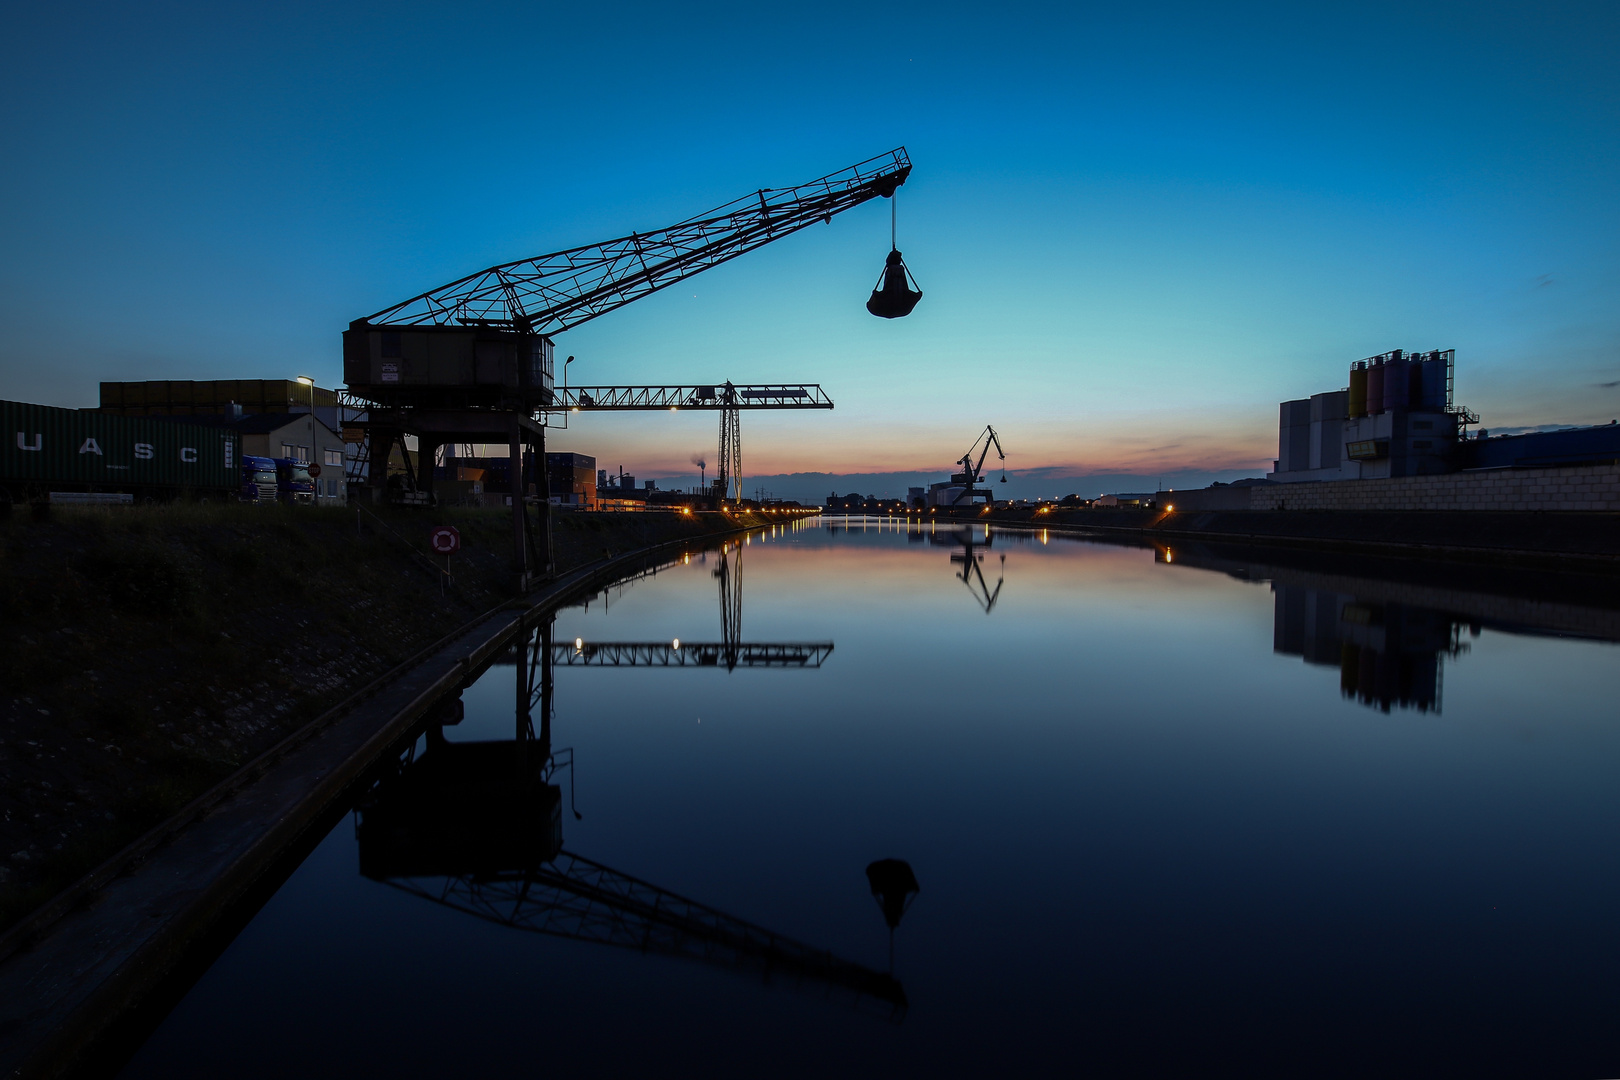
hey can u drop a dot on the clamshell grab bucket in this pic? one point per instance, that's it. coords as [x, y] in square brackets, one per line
[893, 298]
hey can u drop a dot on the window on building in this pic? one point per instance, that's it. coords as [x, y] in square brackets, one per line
[287, 449]
[334, 457]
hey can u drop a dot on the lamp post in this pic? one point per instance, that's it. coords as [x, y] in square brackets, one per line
[315, 491]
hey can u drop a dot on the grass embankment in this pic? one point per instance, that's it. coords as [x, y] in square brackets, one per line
[146, 653]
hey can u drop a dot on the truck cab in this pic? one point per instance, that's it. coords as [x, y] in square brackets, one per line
[294, 485]
[259, 482]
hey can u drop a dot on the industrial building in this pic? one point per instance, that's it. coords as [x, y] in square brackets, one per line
[1562, 448]
[295, 437]
[1396, 418]
[572, 480]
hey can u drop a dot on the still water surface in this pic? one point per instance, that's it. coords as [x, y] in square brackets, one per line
[1169, 812]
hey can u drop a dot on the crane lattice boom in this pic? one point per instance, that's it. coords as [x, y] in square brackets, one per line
[551, 293]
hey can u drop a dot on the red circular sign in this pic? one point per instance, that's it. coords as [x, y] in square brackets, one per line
[445, 540]
[314, 470]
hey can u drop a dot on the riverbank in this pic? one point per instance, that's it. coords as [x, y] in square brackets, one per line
[148, 653]
[1587, 542]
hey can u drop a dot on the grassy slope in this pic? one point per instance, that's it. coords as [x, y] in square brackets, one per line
[146, 653]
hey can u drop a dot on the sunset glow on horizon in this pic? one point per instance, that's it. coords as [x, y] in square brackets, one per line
[1135, 233]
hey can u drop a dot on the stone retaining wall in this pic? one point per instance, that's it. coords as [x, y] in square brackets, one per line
[1592, 487]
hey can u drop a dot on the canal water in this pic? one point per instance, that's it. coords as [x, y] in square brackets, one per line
[1185, 811]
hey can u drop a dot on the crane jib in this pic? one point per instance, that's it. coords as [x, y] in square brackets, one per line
[550, 293]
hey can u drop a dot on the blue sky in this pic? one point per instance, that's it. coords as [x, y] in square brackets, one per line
[1137, 231]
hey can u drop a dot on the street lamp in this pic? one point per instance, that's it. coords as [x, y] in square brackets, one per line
[315, 490]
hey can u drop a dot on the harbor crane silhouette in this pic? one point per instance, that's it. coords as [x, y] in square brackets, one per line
[472, 360]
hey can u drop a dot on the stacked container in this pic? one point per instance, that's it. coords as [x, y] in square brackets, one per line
[210, 397]
[51, 449]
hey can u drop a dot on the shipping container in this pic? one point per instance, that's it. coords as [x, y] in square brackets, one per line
[210, 397]
[48, 449]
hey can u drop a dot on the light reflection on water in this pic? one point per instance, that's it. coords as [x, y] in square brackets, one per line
[1190, 810]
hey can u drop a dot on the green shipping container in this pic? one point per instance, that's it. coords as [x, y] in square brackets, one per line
[49, 449]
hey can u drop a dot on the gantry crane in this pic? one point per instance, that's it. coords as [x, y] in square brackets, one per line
[472, 360]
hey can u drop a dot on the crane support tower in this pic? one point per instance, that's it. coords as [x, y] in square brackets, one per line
[730, 467]
[472, 360]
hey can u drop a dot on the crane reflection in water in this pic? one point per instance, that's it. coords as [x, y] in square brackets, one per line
[971, 559]
[477, 827]
[973, 539]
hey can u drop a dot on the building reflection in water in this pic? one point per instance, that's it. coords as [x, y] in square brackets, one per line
[1389, 655]
[1388, 625]
[478, 827]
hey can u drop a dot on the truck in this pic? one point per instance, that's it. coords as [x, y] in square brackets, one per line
[259, 483]
[81, 455]
[294, 485]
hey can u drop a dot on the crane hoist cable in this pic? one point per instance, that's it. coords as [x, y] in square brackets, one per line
[892, 298]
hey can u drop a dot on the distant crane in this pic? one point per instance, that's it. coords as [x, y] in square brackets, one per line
[971, 474]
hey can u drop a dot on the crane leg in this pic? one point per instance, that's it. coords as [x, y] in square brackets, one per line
[520, 516]
[427, 456]
[544, 563]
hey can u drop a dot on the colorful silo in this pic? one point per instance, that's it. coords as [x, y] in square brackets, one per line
[1358, 390]
[1397, 385]
[1375, 386]
[1434, 382]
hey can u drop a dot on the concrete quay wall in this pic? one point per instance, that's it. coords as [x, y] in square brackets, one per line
[1589, 488]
